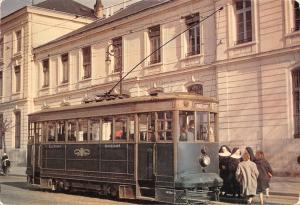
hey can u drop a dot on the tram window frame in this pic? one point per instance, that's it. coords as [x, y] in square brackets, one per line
[59, 129]
[149, 134]
[38, 132]
[212, 127]
[202, 126]
[31, 133]
[164, 119]
[120, 133]
[106, 120]
[70, 137]
[91, 132]
[187, 133]
[53, 138]
[131, 128]
[82, 130]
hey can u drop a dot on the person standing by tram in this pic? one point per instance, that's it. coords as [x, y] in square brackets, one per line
[224, 155]
[234, 160]
[5, 163]
[247, 174]
[265, 174]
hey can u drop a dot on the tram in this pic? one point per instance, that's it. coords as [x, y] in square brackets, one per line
[162, 148]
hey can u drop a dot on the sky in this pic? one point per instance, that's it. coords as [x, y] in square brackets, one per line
[9, 6]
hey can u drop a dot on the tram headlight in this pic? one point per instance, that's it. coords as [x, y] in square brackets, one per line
[204, 159]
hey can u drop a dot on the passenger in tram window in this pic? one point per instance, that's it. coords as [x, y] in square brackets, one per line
[191, 131]
[183, 134]
[51, 133]
[169, 136]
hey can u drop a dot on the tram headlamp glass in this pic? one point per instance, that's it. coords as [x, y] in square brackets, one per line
[204, 161]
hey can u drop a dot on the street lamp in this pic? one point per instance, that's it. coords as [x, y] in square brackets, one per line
[112, 51]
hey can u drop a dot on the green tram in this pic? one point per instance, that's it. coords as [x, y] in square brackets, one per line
[161, 148]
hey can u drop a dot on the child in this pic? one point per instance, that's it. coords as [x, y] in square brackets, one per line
[265, 174]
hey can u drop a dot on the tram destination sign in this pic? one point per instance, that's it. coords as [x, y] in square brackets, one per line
[112, 146]
[55, 146]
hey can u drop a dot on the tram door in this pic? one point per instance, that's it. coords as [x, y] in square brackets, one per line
[35, 154]
[146, 155]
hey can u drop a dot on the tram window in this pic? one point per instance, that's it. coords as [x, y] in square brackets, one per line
[107, 129]
[31, 133]
[202, 126]
[82, 130]
[51, 131]
[164, 123]
[38, 130]
[94, 130]
[147, 127]
[212, 127]
[187, 126]
[71, 128]
[120, 128]
[131, 128]
[44, 132]
[61, 129]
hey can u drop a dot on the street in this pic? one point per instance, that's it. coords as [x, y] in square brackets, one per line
[15, 191]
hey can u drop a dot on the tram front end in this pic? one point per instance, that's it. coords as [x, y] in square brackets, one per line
[197, 177]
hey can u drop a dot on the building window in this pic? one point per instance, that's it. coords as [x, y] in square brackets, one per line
[65, 67]
[196, 89]
[243, 21]
[18, 40]
[17, 78]
[1, 47]
[46, 72]
[154, 38]
[193, 44]
[87, 58]
[297, 14]
[117, 44]
[17, 129]
[296, 99]
[1, 83]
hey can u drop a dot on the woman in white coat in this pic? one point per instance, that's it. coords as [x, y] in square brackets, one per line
[247, 174]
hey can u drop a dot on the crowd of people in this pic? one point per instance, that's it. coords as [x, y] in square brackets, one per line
[244, 174]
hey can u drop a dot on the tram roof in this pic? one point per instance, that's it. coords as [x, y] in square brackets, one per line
[140, 99]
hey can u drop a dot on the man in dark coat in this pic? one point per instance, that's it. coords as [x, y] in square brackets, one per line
[265, 174]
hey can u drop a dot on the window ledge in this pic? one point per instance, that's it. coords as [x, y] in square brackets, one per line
[85, 80]
[242, 45]
[149, 66]
[292, 34]
[17, 55]
[114, 74]
[44, 88]
[63, 84]
[192, 57]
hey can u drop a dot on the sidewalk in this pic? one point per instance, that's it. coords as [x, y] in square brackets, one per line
[287, 186]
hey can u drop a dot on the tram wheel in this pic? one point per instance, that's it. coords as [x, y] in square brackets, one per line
[114, 193]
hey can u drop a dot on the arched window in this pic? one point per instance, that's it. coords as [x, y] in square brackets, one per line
[297, 14]
[296, 100]
[195, 88]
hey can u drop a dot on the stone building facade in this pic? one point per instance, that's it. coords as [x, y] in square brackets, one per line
[246, 56]
[22, 30]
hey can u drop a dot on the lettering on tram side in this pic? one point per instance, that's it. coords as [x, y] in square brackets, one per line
[81, 152]
[112, 146]
[55, 146]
